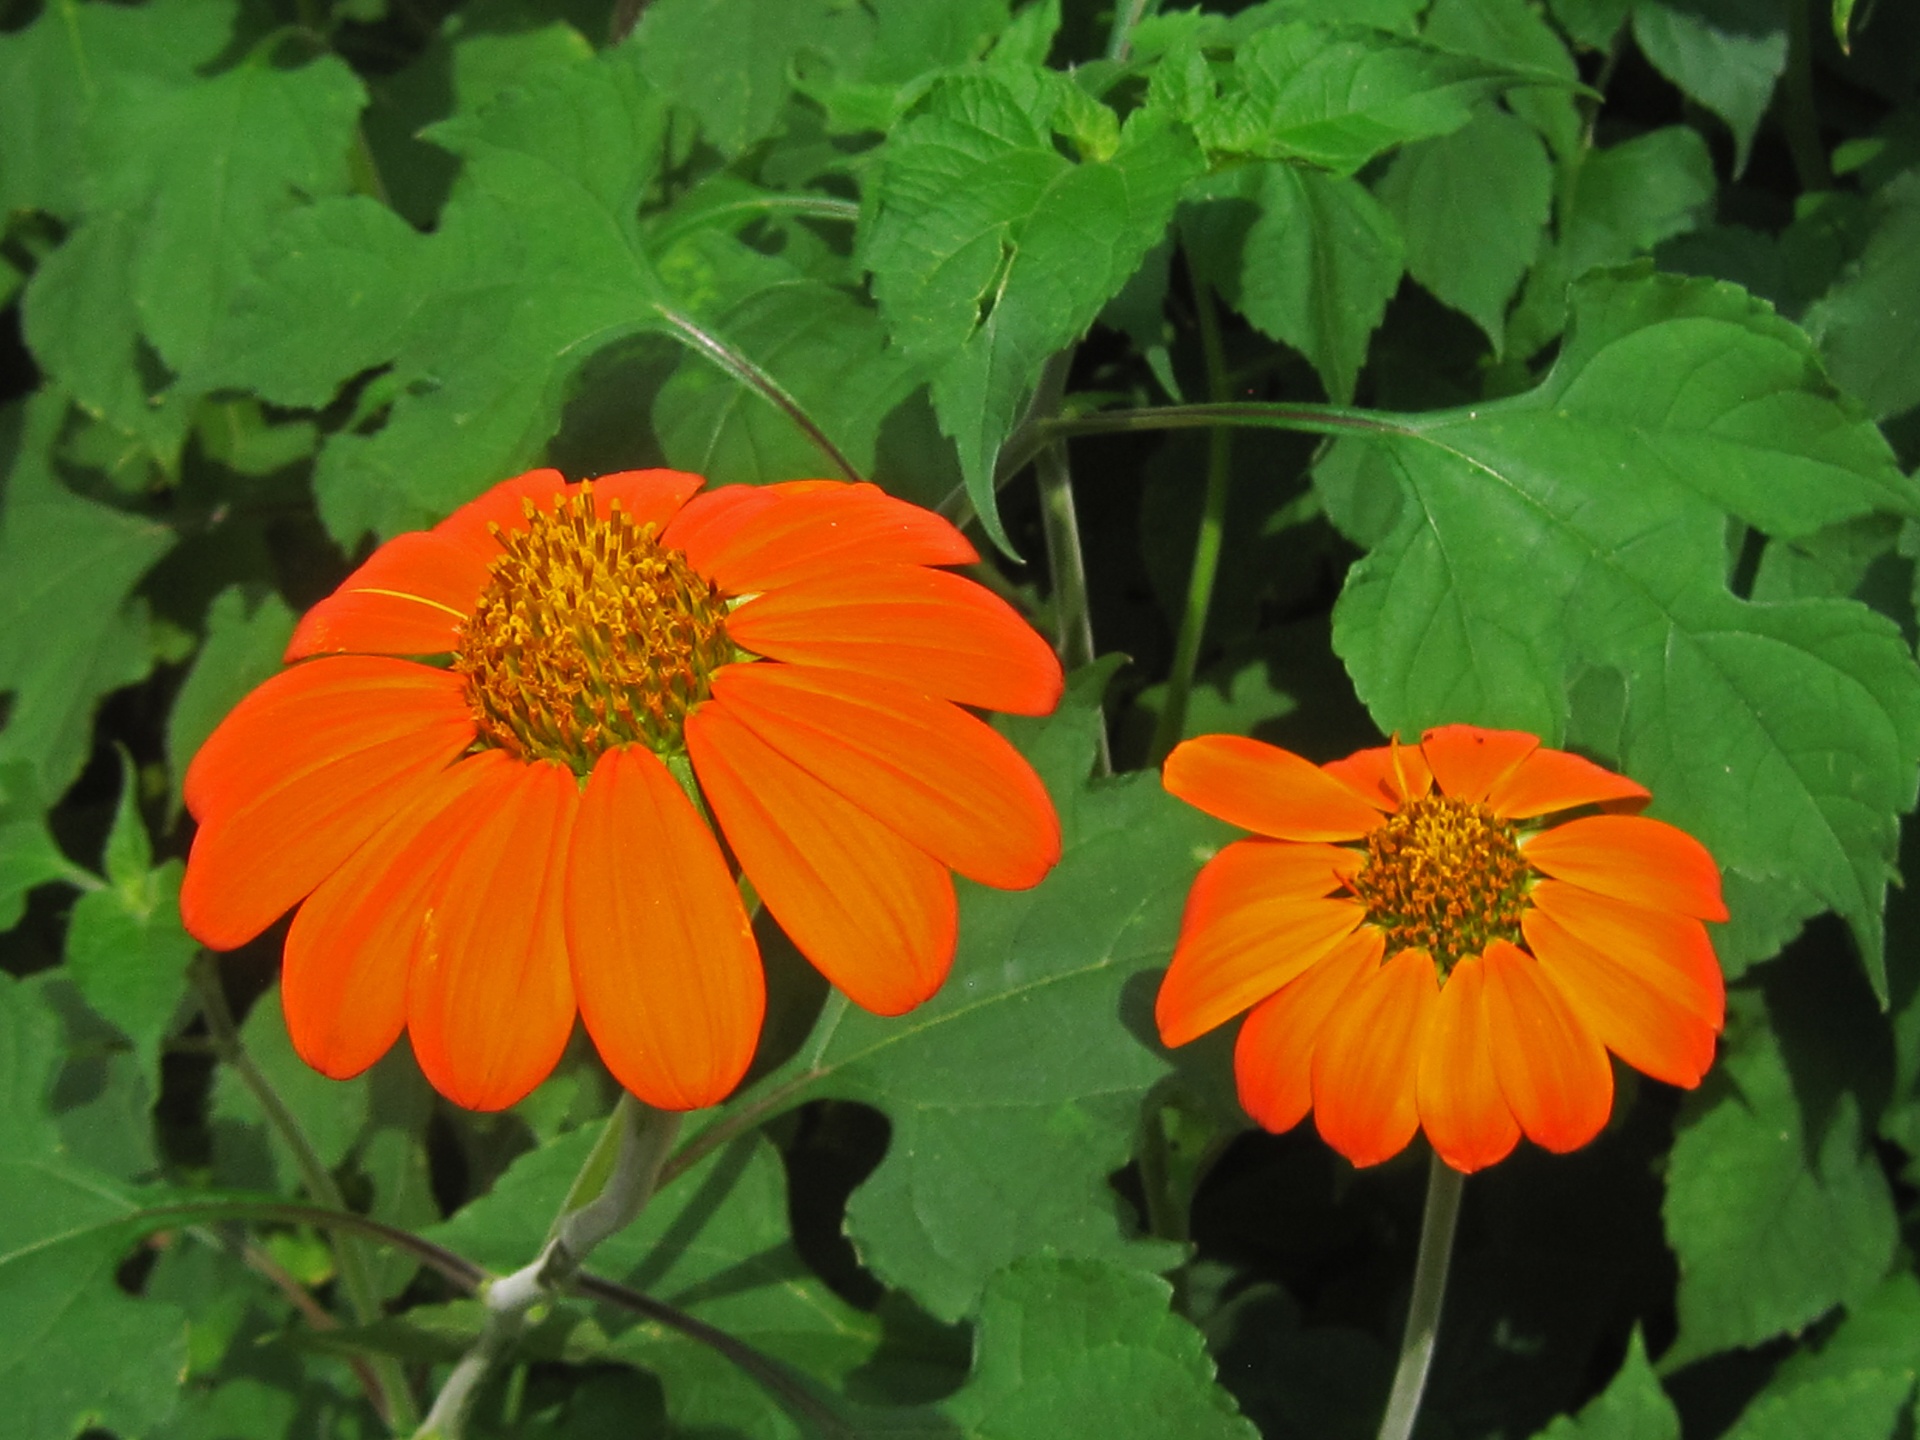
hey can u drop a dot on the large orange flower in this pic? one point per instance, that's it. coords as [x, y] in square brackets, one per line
[482, 773]
[1425, 947]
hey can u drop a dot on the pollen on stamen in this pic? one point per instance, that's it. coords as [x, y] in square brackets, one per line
[589, 634]
[1445, 876]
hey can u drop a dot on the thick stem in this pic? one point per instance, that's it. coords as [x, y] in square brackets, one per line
[356, 1277]
[640, 1137]
[1429, 1290]
[1126, 15]
[1206, 548]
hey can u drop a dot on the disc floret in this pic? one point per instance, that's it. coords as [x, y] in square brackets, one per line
[589, 634]
[1445, 876]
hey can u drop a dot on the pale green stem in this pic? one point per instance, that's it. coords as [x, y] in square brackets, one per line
[1206, 548]
[1126, 15]
[1429, 1290]
[640, 1138]
[394, 1397]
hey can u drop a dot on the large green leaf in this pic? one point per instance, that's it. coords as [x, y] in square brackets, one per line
[1015, 1091]
[729, 61]
[69, 633]
[185, 178]
[1776, 1204]
[75, 1350]
[990, 250]
[56, 71]
[1581, 528]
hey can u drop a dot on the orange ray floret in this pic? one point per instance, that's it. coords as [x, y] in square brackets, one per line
[1449, 937]
[485, 776]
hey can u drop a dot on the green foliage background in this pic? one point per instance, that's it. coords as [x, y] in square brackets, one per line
[1561, 366]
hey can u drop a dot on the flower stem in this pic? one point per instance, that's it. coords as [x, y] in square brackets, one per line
[1429, 1290]
[394, 1397]
[639, 1137]
[1206, 549]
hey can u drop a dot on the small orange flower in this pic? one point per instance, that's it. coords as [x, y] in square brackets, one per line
[485, 846]
[1424, 948]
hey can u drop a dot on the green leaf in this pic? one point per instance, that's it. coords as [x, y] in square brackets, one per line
[69, 633]
[1336, 97]
[1512, 32]
[1861, 1405]
[102, 1097]
[1842, 18]
[276, 340]
[1014, 1092]
[243, 647]
[1862, 325]
[728, 60]
[823, 348]
[1583, 524]
[55, 72]
[29, 857]
[1473, 206]
[1075, 1348]
[537, 264]
[1628, 198]
[83, 327]
[1632, 1407]
[1727, 54]
[1776, 1205]
[1592, 23]
[330, 1113]
[1316, 263]
[242, 1407]
[126, 950]
[990, 250]
[75, 1350]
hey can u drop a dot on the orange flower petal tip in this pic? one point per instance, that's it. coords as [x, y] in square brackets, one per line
[1447, 938]
[477, 779]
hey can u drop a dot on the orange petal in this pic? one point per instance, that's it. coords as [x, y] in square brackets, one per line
[1266, 789]
[410, 598]
[928, 629]
[749, 546]
[664, 960]
[649, 497]
[1242, 956]
[1467, 761]
[1552, 1068]
[1273, 1058]
[287, 791]
[1367, 1060]
[1249, 871]
[1628, 1012]
[1461, 1108]
[1386, 776]
[931, 772]
[469, 526]
[1644, 862]
[873, 913]
[344, 981]
[489, 996]
[1669, 952]
[1550, 780]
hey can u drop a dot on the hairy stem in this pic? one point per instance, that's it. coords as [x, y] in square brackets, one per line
[395, 1397]
[1429, 1290]
[639, 1138]
[1206, 547]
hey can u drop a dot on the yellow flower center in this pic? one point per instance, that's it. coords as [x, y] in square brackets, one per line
[1445, 876]
[590, 634]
